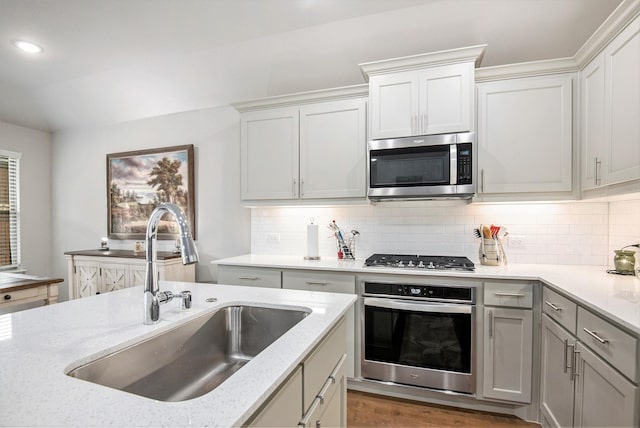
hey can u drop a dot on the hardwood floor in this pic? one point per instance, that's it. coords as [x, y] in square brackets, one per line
[368, 410]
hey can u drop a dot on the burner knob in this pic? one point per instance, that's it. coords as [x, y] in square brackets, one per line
[431, 266]
[400, 264]
[421, 264]
[410, 264]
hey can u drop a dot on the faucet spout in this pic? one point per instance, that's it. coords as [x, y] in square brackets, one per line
[152, 296]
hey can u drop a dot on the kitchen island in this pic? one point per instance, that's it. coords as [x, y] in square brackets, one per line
[40, 346]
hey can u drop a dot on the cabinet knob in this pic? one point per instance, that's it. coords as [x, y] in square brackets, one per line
[7, 297]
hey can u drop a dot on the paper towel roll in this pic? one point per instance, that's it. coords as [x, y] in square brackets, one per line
[312, 242]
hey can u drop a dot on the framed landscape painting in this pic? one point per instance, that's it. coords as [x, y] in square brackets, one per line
[137, 182]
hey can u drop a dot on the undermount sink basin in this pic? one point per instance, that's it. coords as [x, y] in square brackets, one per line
[193, 358]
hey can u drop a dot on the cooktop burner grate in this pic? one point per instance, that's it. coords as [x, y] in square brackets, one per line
[404, 261]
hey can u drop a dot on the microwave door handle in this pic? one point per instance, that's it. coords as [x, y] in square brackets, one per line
[453, 164]
[417, 307]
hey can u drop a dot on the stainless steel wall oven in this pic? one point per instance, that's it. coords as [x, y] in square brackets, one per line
[419, 335]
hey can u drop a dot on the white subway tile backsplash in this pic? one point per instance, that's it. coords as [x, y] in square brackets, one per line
[556, 233]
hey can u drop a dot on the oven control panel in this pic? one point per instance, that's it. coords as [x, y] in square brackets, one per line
[422, 292]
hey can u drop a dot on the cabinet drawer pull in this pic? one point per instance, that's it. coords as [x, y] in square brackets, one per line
[316, 283]
[305, 418]
[552, 306]
[7, 297]
[595, 336]
[250, 278]
[505, 294]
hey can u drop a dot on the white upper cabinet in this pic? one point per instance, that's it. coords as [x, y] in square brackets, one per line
[312, 149]
[333, 150]
[269, 154]
[622, 106]
[394, 105]
[525, 135]
[422, 94]
[592, 121]
[610, 108]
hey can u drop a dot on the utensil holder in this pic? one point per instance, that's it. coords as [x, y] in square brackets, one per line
[347, 249]
[490, 252]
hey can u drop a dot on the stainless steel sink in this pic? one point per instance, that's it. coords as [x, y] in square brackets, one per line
[193, 358]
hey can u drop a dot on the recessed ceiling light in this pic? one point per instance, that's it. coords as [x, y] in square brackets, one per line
[27, 46]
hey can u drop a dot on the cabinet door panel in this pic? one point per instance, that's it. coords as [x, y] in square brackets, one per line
[269, 150]
[556, 385]
[332, 150]
[394, 105]
[508, 342]
[622, 88]
[603, 396]
[593, 114]
[87, 279]
[525, 135]
[114, 277]
[445, 99]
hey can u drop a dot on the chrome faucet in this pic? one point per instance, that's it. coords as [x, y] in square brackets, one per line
[153, 297]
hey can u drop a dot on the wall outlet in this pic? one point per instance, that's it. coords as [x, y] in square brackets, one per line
[517, 241]
[273, 238]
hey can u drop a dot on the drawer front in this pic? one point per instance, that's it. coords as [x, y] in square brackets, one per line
[615, 346]
[315, 415]
[510, 294]
[16, 296]
[561, 309]
[322, 362]
[319, 281]
[249, 276]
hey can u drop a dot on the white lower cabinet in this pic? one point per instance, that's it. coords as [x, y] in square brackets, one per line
[508, 340]
[508, 352]
[315, 395]
[90, 275]
[328, 282]
[578, 387]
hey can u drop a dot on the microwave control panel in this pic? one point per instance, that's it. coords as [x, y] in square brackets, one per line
[464, 163]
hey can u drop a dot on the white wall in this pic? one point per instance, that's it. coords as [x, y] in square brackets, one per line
[79, 207]
[555, 233]
[35, 194]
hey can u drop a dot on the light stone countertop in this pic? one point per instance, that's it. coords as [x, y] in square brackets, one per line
[38, 346]
[616, 297]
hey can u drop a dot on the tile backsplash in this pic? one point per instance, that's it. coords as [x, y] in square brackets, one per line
[555, 233]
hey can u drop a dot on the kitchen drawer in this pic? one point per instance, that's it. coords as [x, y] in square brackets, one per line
[250, 276]
[18, 295]
[324, 409]
[560, 309]
[511, 294]
[319, 281]
[615, 346]
[322, 362]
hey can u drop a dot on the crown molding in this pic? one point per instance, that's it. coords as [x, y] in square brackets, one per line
[333, 94]
[526, 69]
[453, 56]
[610, 28]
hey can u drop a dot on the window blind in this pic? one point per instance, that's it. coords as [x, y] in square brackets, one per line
[9, 209]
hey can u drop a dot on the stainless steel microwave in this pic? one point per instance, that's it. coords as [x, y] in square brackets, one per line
[426, 167]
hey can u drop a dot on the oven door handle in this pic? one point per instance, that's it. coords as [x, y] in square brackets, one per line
[417, 307]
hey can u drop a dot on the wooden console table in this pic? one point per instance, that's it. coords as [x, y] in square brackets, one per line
[16, 289]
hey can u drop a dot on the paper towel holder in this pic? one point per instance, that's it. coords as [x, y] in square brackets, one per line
[312, 242]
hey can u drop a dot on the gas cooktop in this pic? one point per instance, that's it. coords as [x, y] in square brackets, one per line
[420, 262]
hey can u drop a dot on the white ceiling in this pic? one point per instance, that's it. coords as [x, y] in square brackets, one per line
[109, 61]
